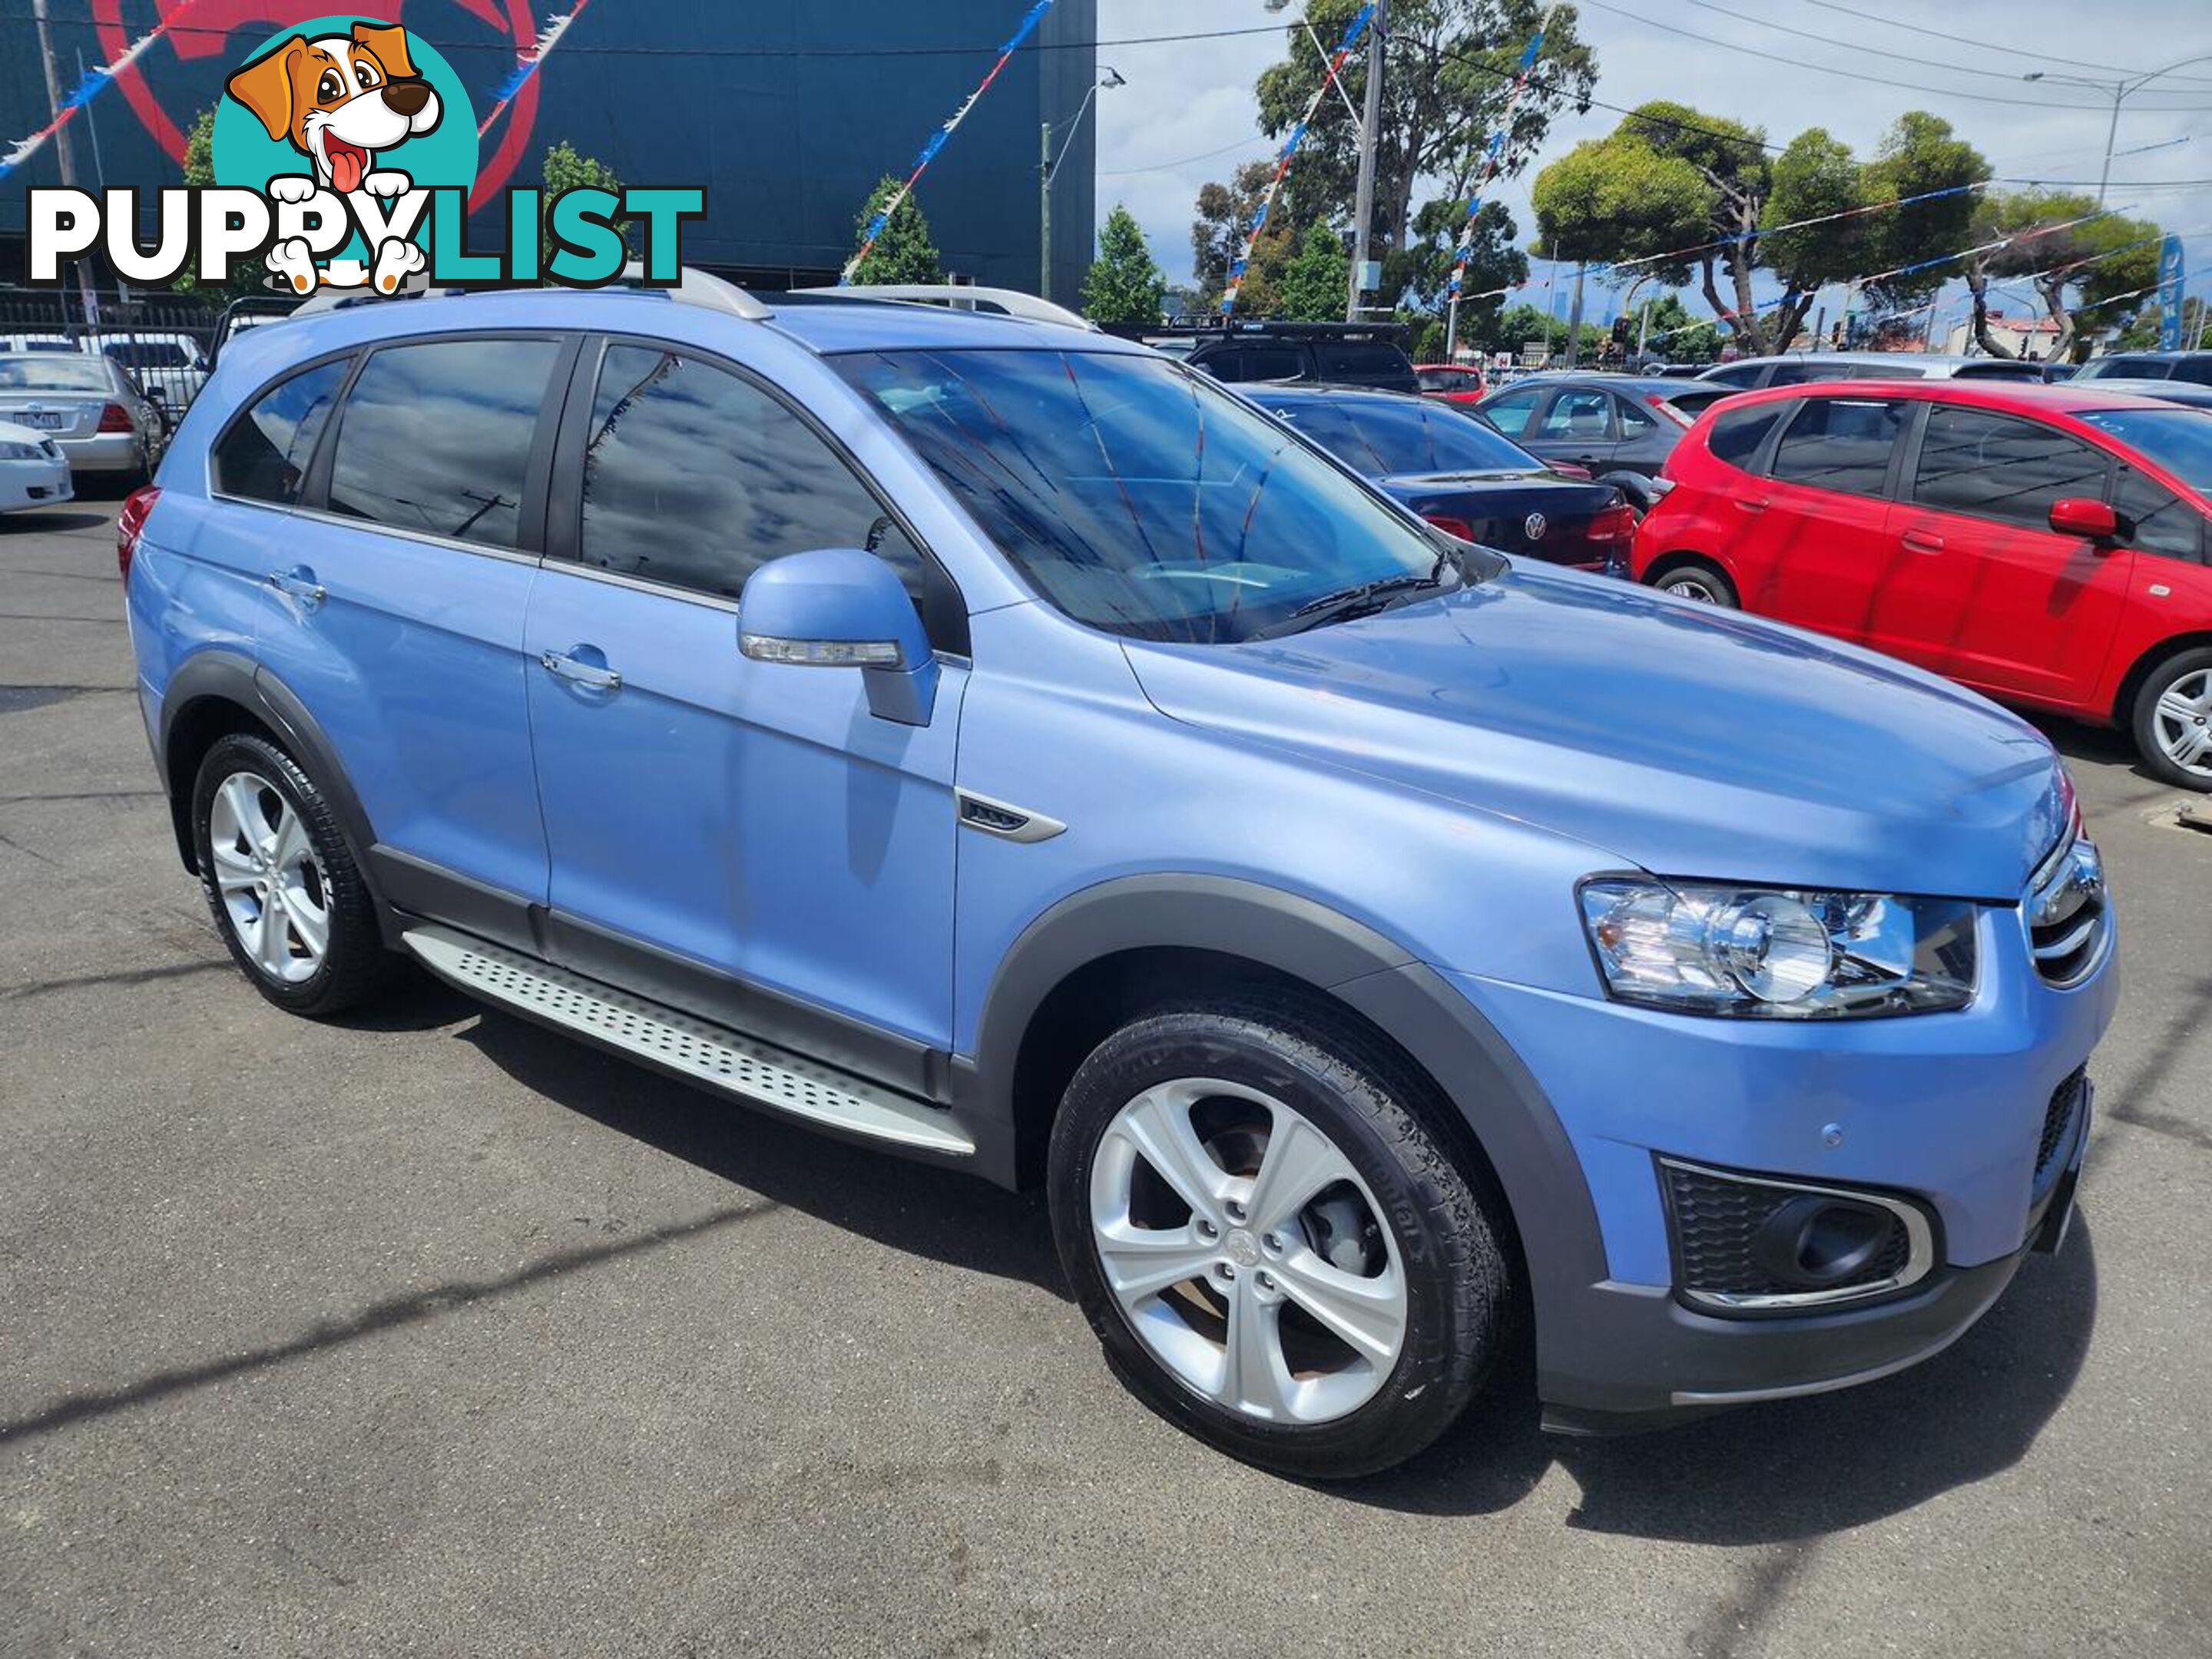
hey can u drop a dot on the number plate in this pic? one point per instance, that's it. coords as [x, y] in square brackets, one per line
[41, 420]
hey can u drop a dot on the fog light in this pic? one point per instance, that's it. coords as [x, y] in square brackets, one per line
[1811, 1241]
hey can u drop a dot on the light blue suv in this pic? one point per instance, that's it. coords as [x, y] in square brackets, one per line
[980, 737]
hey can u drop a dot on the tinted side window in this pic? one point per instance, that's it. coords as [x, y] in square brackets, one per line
[1737, 433]
[1840, 443]
[1996, 467]
[1879, 372]
[1741, 375]
[1272, 362]
[1355, 360]
[2197, 370]
[1584, 414]
[696, 477]
[1635, 421]
[435, 437]
[2160, 521]
[1510, 414]
[263, 456]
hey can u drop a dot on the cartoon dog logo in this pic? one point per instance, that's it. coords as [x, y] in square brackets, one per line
[342, 101]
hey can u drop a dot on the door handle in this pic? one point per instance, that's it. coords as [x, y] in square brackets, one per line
[1921, 541]
[299, 583]
[584, 673]
[1751, 503]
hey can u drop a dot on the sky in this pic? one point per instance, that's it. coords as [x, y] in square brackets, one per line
[1188, 113]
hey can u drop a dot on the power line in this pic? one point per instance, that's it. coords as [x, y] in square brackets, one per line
[1853, 75]
[1849, 45]
[1984, 45]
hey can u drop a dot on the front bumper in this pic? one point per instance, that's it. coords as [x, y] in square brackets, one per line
[1948, 1109]
[33, 483]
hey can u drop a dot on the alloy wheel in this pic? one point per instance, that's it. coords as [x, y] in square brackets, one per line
[1688, 585]
[1246, 1252]
[271, 883]
[2182, 722]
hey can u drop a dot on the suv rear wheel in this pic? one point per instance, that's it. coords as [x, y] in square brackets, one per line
[2172, 719]
[285, 892]
[1277, 1254]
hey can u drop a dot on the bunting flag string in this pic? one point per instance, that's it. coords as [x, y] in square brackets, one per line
[96, 81]
[883, 217]
[1493, 158]
[1356, 28]
[526, 65]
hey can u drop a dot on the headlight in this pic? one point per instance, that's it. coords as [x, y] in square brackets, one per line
[21, 453]
[1779, 953]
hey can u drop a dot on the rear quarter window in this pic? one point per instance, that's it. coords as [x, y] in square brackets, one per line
[1355, 360]
[263, 455]
[1737, 434]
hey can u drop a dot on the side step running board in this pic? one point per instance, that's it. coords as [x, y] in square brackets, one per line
[713, 1055]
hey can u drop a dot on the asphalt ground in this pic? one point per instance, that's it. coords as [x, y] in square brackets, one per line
[431, 1332]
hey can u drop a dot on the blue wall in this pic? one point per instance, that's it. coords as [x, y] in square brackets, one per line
[787, 111]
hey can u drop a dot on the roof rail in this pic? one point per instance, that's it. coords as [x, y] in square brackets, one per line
[694, 286]
[966, 296]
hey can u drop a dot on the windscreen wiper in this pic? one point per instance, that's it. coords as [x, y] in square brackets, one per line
[1363, 600]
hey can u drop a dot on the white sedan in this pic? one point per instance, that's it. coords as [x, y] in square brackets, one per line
[33, 470]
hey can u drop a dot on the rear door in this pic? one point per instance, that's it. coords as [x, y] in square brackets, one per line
[1813, 544]
[398, 593]
[1578, 425]
[2005, 604]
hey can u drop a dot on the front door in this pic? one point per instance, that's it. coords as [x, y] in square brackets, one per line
[1577, 426]
[741, 838]
[2005, 604]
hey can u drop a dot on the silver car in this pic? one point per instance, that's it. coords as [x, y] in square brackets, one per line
[89, 406]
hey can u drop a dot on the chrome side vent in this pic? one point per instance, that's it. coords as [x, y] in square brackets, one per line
[2067, 914]
[1005, 820]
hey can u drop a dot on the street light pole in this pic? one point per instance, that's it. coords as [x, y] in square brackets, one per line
[1048, 169]
[2121, 91]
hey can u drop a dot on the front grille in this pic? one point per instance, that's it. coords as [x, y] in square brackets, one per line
[2056, 1118]
[2066, 913]
[1716, 1219]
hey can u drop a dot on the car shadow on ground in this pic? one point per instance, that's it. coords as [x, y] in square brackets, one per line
[50, 522]
[1768, 1474]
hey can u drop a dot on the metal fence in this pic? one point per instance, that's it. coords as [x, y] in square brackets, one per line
[165, 340]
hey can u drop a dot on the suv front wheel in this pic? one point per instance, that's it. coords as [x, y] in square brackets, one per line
[1277, 1254]
[282, 882]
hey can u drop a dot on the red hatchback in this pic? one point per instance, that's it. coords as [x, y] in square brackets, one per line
[2049, 545]
[1456, 383]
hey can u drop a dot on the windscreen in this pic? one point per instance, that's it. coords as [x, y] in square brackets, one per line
[2179, 440]
[1138, 497]
[52, 372]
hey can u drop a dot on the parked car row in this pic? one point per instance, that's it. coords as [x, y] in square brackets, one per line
[2047, 545]
[89, 407]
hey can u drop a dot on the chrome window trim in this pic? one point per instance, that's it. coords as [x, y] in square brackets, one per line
[1919, 1253]
[376, 527]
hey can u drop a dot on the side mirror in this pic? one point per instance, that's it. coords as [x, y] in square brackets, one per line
[2080, 515]
[838, 607]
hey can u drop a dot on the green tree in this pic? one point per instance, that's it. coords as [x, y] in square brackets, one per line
[1419, 274]
[2057, 244]
[1918, 156]
[904, 253]
[1448, 66]
[569, 168]
[1218, 233]
[1124, 284]
[246, 275]
[1314, 282]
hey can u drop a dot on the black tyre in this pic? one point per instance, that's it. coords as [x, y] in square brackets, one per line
[2171, 719]
[1698, 579]
[1278, 1254]
[286, 894]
